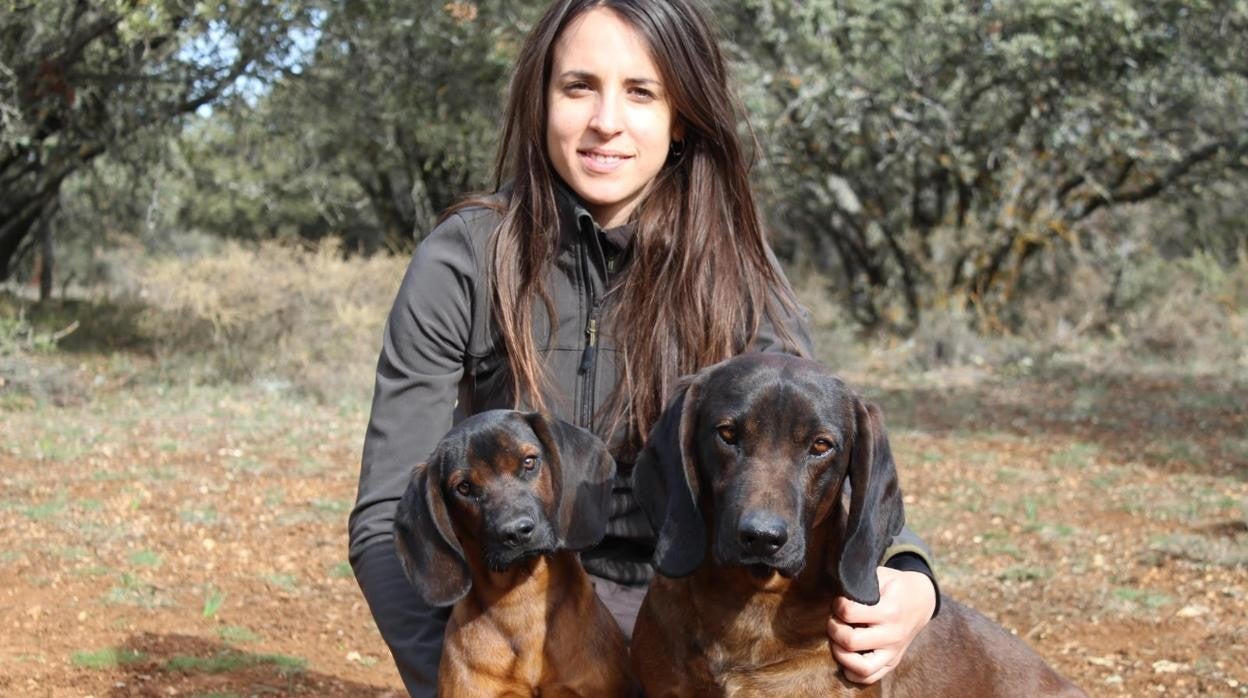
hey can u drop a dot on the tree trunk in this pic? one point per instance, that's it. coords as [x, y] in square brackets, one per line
[46, 260]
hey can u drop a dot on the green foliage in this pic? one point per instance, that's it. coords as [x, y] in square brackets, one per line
[941, 172]
[393, 118]
[17, 336]
[78, 80]
[928, 157]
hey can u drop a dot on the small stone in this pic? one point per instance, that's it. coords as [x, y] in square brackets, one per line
[1192, 611]
[1165, 666]
[353, 656]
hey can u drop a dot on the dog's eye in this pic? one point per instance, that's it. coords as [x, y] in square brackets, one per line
[727, 433]
[820, 447]
[464, 488]
[529, 462]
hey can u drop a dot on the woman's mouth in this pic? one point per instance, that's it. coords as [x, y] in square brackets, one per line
[601, 163]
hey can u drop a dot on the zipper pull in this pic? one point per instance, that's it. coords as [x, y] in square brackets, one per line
[591, 333]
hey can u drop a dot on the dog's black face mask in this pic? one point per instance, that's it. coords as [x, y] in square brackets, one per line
[771, 447]
[754, 452]
[501, 495]
[500, 487]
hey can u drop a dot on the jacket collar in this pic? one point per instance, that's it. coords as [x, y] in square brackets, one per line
[572, 210]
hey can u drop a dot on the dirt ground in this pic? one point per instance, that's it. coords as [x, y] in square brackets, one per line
[163, 539]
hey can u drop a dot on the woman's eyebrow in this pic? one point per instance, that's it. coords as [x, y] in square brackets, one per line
[586, 76]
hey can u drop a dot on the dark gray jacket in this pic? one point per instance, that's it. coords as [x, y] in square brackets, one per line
[441, 360]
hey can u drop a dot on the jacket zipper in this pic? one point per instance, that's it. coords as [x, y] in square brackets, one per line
[589, 361]
[589, 357]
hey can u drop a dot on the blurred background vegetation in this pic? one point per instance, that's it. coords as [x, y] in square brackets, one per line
[243, 180]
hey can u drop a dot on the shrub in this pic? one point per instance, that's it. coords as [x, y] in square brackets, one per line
[310, 317]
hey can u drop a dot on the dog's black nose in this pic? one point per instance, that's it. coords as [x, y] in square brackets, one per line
[762, 533]
[517, 532]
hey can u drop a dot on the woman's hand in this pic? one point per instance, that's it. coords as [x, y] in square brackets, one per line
[869, 641]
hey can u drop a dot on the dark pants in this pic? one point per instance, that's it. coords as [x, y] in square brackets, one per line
[413, 629]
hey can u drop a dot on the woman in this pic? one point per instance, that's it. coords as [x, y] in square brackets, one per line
[620, 250]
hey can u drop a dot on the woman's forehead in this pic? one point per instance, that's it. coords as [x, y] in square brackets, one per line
[599, 42]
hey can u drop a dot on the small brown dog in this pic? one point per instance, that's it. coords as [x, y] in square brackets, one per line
[749, 461]
[489, 524]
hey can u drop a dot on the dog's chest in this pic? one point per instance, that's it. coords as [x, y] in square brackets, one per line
[774, 647]
[501, 642]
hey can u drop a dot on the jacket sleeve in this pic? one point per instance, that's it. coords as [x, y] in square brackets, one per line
[424, 346]
[786, 328]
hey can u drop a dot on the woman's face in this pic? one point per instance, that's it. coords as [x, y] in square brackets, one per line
[609, 119]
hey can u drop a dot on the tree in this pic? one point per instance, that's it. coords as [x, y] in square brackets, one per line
[78, 79]
[939, 148]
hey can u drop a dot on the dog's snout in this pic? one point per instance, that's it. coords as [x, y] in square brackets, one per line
[518, 532]
[762, 533]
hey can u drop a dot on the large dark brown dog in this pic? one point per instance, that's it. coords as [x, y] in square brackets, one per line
[489, 525]
[748, 464]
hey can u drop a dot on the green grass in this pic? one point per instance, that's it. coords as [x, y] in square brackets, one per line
[233, 660]
[1076, 455]
[341, 570]
[1004, 548]
[236, 634]
[212, 601]
[94, 571]
[282, 580]
[47, 510]
[331, 509]
[246, 464]
[1025, 573]
[145, 558]
[205, 516]
[1176, 450]
[1142, 597]
[108, 658]
[134, 591]
[1228, 552]
[1050, 531]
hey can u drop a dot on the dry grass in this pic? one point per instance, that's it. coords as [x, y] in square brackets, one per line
[310, 318]
[1190, 312]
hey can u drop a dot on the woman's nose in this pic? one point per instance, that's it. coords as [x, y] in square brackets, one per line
[606, 118]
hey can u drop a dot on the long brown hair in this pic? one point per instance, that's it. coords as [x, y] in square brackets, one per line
[698, 236]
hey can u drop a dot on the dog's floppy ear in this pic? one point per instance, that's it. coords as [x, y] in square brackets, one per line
[425, 540]
[876, 513]
[665, 483]
[581, 470]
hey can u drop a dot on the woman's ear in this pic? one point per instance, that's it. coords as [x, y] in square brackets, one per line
[425, 540]
[581, 471]
[876, 512]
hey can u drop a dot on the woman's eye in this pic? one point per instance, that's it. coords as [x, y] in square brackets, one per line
[820, 447]
[642, 93]
[576, 87]
[728, 434]
[529, 462]
[463, 488]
